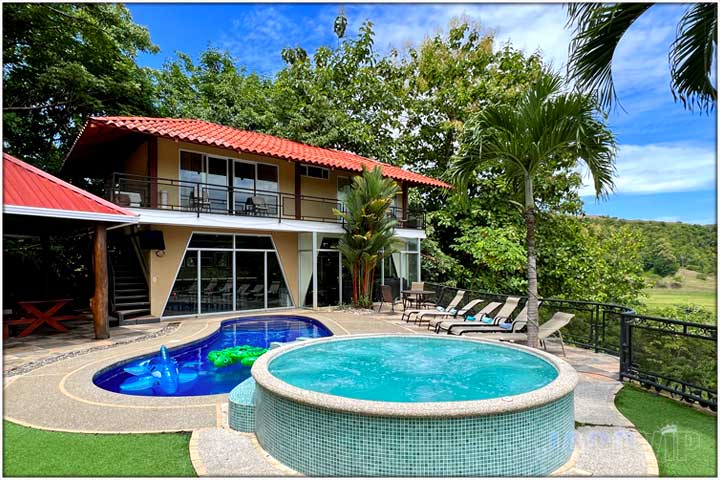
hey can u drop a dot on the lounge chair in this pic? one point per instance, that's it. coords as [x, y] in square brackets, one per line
[517, 324]
[438, 316]
[450, 306]
[504, 313]
[387, 296]
[442, 325]
[546, 330]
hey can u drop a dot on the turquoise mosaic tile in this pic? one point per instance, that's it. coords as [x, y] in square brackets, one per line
[241, 407]
[320, 442]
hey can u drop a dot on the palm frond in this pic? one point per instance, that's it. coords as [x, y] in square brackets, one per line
[598, 30]
[691, 57]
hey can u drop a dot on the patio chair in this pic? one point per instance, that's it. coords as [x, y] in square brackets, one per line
[449, 307]
[437, 316]
[387, 296]
[442, 324]
[258, 206]
[413, 297]
[517, 324]
[504, 313]
[547, 330]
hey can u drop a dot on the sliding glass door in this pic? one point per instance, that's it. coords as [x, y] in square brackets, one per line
[225, 273]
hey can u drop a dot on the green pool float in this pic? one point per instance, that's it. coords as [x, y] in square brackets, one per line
[245, 354]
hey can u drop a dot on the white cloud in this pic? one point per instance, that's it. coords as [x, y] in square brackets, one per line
[656, 168]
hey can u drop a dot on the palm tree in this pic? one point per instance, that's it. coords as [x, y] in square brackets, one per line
[546, 130]
[368, 229]
[599, 28]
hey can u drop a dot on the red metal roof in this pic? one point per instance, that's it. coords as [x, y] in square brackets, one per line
[28, 186]
[206, 133]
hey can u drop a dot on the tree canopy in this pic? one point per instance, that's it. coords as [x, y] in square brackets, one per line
[408, 107]
[64, 63]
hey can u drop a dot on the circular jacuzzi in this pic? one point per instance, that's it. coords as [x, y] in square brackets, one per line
[411, 405]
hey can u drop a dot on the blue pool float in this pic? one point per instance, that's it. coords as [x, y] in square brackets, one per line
[160, 373]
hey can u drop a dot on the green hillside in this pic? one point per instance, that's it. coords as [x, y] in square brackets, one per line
[679, 261]
[669, 246]
[685, 287]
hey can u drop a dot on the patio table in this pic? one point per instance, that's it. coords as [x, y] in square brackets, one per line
[418, 295]
[39, 315]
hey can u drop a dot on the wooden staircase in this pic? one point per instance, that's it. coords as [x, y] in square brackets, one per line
[130, 301]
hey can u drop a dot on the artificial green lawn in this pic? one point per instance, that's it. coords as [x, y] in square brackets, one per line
[688, 453]
[28, 452]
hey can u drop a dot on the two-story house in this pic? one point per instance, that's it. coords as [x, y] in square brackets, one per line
[230, 220]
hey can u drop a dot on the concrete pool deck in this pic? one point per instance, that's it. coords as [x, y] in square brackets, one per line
[61, 396]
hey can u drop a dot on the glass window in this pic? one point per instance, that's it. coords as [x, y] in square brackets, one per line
[254, 281]
[411, 245]
[183, 299]
[253, 243]
[392, 265]
[217, 191]
[216, 282]
[304, 241]
[328, 272]
[250, 280]
[267, 177]
[190, 167]
[329, 243]
[305, 268]
[267, 181]
[278, 294]
[343, 186]
[244, 175]
[203, 240]
[191, 172]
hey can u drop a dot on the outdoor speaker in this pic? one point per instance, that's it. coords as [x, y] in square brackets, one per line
[151, 240]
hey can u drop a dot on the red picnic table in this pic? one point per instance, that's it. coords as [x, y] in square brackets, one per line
[38, 317]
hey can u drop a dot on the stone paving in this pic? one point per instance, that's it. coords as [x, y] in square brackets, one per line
[46, 343]
[61, 396]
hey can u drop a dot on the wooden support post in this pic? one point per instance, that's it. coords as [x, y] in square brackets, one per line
[99, 302]
[404, 204]
[153, 170]
[298, 192]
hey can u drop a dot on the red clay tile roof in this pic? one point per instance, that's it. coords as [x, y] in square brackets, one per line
[28, 186]
[206, 133]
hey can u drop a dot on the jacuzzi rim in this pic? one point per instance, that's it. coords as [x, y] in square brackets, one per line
[563, 384]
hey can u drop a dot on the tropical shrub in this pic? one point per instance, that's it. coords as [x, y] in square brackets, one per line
[369, 229]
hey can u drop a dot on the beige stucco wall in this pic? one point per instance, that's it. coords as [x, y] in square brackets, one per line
[164, 269]
[137, 162]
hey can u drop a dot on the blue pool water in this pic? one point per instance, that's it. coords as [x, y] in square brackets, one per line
[254, 331]
[406, 369]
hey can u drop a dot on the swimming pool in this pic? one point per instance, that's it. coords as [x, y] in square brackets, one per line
[409, 405]
[257, 331]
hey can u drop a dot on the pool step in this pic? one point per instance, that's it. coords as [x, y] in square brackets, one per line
[241, 401]
[241, 407]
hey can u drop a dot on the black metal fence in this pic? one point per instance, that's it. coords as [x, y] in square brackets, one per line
[670, 355]
[663, 354]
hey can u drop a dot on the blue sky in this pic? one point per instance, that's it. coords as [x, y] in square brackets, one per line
[666, 162]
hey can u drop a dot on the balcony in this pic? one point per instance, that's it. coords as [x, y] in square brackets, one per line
[137, 191]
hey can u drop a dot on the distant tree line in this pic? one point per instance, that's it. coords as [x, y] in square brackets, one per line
[669, 246]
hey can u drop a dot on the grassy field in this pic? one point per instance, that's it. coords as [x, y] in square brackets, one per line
[28, 452]
[689, 445]
[694, 290]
